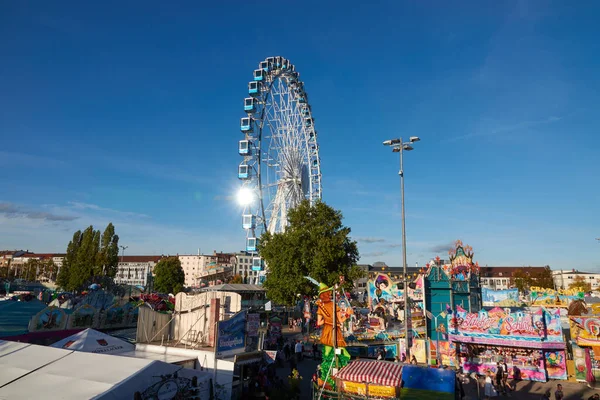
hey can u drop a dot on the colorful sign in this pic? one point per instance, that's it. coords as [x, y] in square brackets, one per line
[384, 291]
[555, 298]
[232, 335]
[500, 298]
[386, 316]
[556, 364]
[585, 330]
[447, 353]
[502, 324]
[374, 390]
[579, 358]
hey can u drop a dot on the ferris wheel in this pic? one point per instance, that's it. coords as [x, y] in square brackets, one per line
[281, 165]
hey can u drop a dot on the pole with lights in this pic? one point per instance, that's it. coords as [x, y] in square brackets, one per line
[398, 146]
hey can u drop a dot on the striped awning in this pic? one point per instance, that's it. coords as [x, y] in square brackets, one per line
[384, 373]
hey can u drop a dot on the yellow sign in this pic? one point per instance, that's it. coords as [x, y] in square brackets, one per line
[374, 390]
[560, 292]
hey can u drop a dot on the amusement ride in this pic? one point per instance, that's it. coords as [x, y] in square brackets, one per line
[281, 165]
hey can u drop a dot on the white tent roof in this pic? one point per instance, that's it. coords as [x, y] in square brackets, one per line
[147, 355]
[31, 371]
[92, 341]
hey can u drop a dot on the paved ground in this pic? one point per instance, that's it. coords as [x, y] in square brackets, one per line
[526, 390]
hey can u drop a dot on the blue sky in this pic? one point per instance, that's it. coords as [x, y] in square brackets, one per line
[129, 112]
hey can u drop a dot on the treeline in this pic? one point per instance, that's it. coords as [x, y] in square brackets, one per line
[90, 254]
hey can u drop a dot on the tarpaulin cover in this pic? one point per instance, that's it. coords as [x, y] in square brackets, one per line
[384, 373]
[433, 379]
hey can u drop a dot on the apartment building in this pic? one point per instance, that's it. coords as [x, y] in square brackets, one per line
[564, 278]
[135, 270]
[500, 278]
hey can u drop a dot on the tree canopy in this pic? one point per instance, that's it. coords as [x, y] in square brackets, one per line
[580, 282]
[315, 244]
[89, 254]
[523, 279]
[169, 276]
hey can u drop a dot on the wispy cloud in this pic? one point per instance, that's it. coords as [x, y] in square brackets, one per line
[370, 240]
[374, 254]
[13, 158]
[393, 245]
[94, 207]
[11, 210]
[441, 248]
[505, 129]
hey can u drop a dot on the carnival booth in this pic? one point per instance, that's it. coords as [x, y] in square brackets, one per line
[585, 334]
[370, 379]
[530, 343]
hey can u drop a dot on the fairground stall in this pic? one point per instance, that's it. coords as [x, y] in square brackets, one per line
[364, 379]
[585, 335]
[531, 343]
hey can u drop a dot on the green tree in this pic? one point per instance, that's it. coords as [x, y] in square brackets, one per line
[580, 282]
[89, 255]
[316, 244]
[543, 279]
[237, 279]
[169, 276]
[31, 270]
[524, 278]
[521, 280]
[108, 256]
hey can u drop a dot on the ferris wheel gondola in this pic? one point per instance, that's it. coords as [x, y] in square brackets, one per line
[281, 164]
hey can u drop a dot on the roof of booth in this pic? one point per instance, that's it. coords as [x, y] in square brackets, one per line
[384, 373]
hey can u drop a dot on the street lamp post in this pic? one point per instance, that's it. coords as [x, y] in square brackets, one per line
[398, 146]
[123, 252]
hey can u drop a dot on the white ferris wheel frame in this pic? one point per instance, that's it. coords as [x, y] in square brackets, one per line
[284, 165]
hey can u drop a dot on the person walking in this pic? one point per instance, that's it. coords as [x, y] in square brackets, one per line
[546, 395]
[298, 351]
[559, 395]
[505, 383]
[499, 378]
[489, 390]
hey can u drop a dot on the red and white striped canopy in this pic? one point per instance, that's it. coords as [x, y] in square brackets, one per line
[384, 373]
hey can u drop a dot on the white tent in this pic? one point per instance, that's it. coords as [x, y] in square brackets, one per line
[31, 371]
[92, 341]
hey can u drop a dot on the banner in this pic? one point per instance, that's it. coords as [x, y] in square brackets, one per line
[579, 358]
[500, 298]
[555, 298]
[374, 390]
[503, 324]
[556, 364]
[232, 335]
[448, 353]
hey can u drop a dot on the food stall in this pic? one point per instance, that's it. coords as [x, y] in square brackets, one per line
[531, 343]
[369, 379]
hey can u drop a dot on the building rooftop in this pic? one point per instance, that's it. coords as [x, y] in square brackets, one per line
[234, 287]
[140, 258]
[506, 271]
